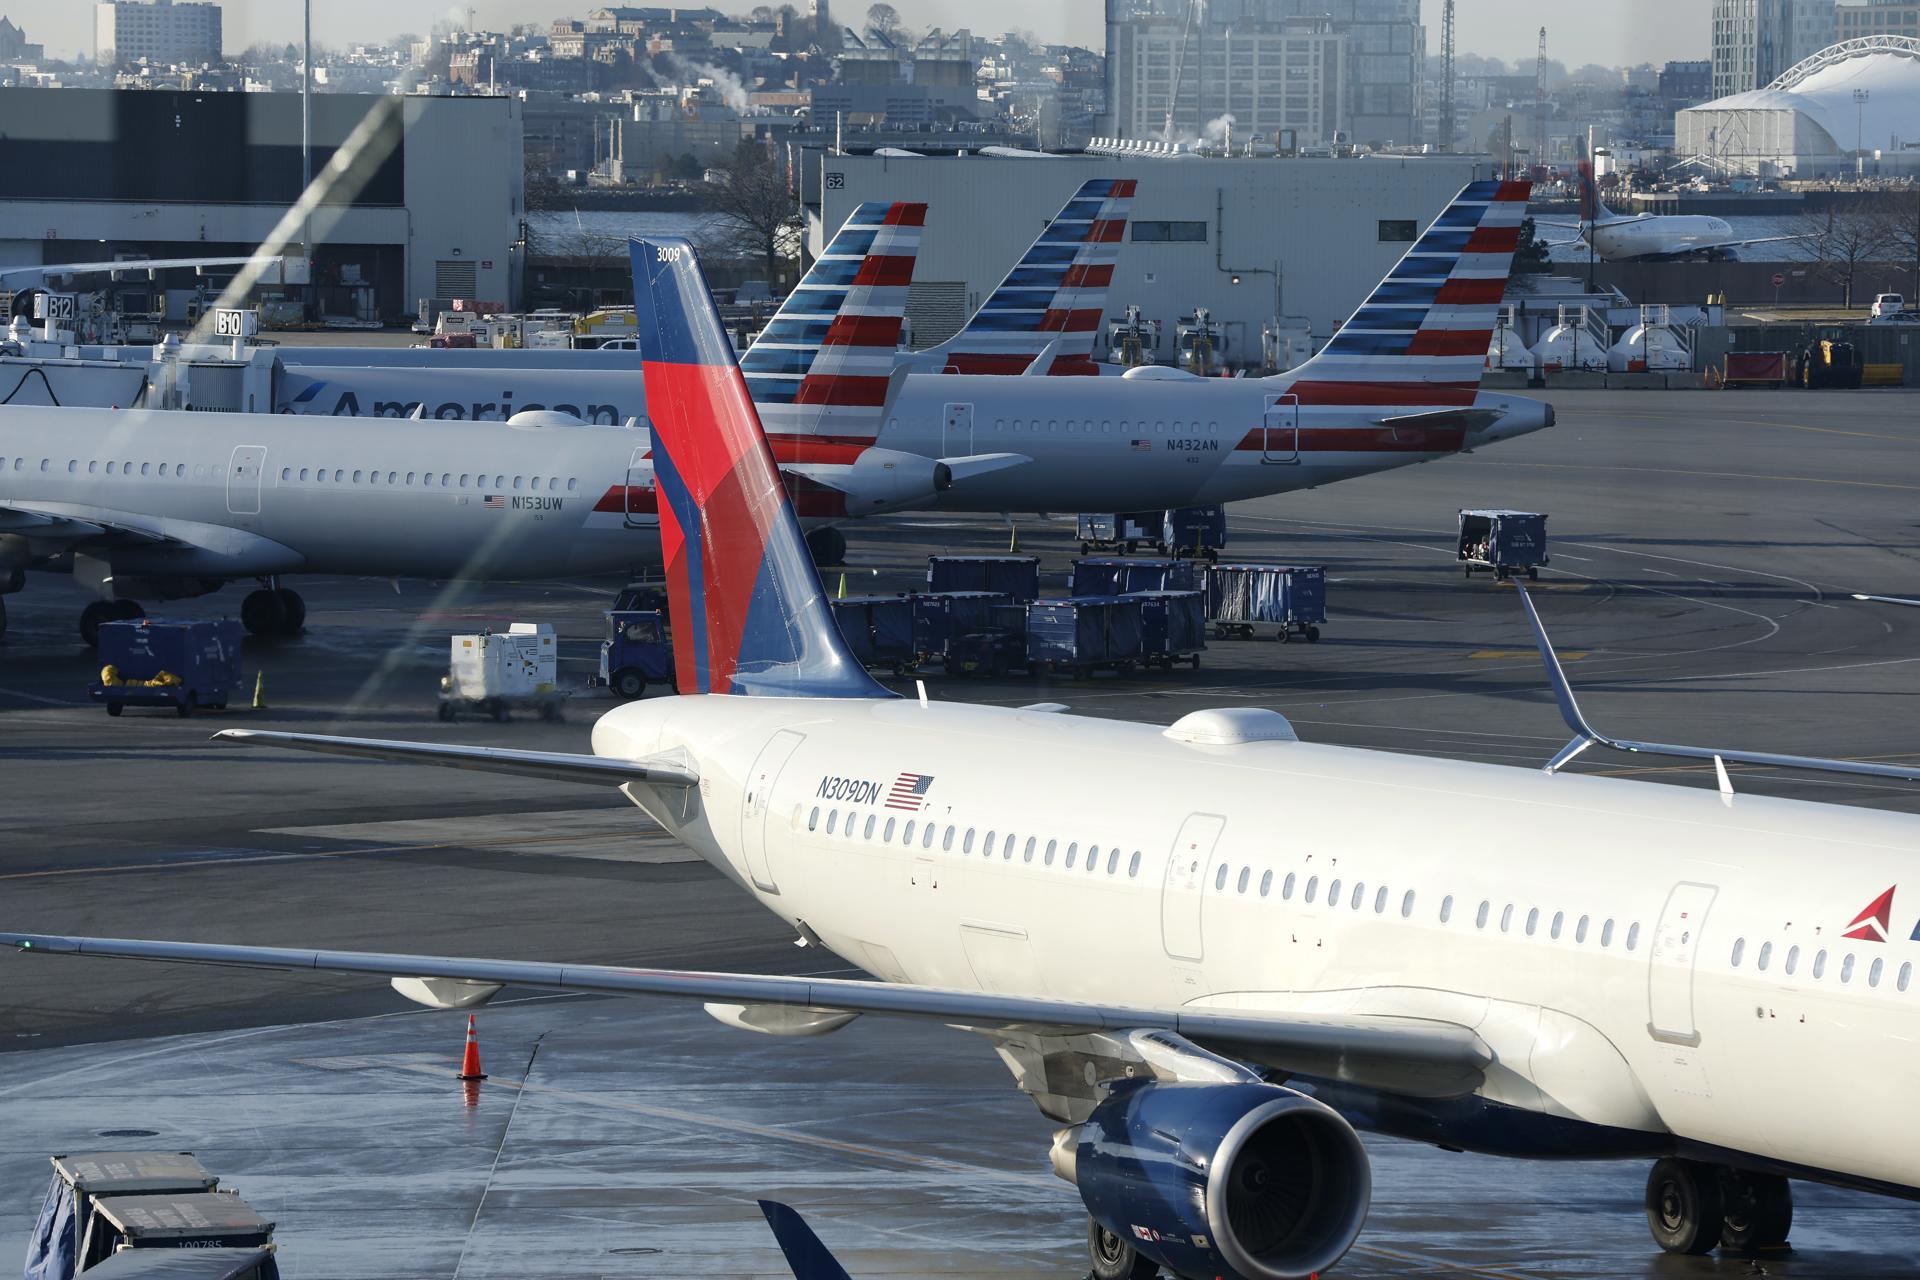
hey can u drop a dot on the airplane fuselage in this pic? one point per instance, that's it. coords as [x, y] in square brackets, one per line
[1660, 236]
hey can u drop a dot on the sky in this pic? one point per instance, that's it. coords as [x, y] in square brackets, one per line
[1608, 32]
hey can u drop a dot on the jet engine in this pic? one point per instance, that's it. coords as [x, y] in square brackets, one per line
[1239, 1180]
[888, 479]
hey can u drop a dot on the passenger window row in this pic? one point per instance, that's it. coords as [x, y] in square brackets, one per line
[1790, 965]
[914, 832]
[425, 479]
[1105, 426]
[115, 467]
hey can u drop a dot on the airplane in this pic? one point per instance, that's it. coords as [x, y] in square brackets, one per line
[1650, 237]
[1520, 962]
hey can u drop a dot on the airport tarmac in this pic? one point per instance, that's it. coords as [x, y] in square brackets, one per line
[1704, 545]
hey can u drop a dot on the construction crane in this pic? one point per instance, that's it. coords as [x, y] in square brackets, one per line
[1446, 76]
[1540, 101]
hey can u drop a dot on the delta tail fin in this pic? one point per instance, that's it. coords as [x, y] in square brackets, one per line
[808, 1258]
[1056, 294]
[1421, 336]
[750, 615]
[1591, 209]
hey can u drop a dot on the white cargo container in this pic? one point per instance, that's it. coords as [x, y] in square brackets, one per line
[493, 671]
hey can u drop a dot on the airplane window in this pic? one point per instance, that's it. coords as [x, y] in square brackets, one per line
[572, 485]
[535, 484]
[1739, 950]
[1406, 906]
[410, 478]
[1027, 854]
[1873, 972]
[516, 482]
[1359, 892]
[144, 468]
[1606, 934]
[1246, 874]
[1313, 883]
[1070, 853]
[1846, 968]
[1820, 964]
[946, 841]
[1286, 887]
[72, 465]
[320, 476]
[966, 845]
[868, 833]
[1220, 877]
[926, 836]
[986, 850]
[833, 816]
[553, 482]
[813, 819]
[1093, 861]
[43, 466]
[391, 476]
[1106, 426]
[849, 820]
[906, 837]
[1133, 869]
[1048, 859]
[1446, 909]
[887, 833]
[1533, 921]
[1333, 894]
[356, 477]
[1766, 957]
[1266, 883]
[1559, 918]
[303, 471]
[1053, 424]
[1113, 860]
[463, 479]
[1793, 960]
[1380, 900]
[1506, 918]
[126, 468]
[1633, 935]
[1906, 973]
[446, 479]
[373, 477]
[499, 482]
[1580, 930]
[338, 474]
[1480, 921]
[110, 468]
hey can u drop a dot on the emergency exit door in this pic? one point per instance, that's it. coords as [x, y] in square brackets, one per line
[956, 431]
[634, 503]
[1280, 430]
[754, 809]
[1676, 944]
[1183, 892]
[243, 479]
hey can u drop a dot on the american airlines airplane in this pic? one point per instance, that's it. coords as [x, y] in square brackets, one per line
[1651, 237]
[1521, 962]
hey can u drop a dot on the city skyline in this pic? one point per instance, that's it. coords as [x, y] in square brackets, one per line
[1619, 33]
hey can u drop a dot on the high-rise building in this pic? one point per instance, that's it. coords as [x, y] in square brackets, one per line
[160, 31]
[1755, 40]
[1856, 18]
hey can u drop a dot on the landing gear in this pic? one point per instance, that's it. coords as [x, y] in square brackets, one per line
[829, 546]
[1757, 1211]
[1114, 1259]
[1685, 1209]
[273, 611]
[106, 611]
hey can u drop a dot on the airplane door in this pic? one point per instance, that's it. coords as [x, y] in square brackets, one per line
[1280, 430]
[956, 432]
[1182, 894]
[753, 809]
[1676, 942]
[243, 479]
[639, 481]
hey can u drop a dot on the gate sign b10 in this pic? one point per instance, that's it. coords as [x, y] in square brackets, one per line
[228, 323]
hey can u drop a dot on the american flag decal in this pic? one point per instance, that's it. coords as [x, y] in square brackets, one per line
[1141, 446]
[498, 501]
[909, 792]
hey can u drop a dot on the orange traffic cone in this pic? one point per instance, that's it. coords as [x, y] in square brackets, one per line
[470, 1062]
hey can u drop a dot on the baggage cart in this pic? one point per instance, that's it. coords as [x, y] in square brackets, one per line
[161, 662]
[941, 617]
[637, 652]
[1084, 635]
[1291, 596]
[178, 1220]
[196, 1263]
[991, 654]
[1119, 576]
[1197, 532]
[1119, 531]
[878, 630]
[81, 1179]
[494, 672]
[1173, 627]
[1504, 541]
[1015, 576]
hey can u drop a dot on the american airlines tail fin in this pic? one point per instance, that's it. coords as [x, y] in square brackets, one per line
[750, 614]
[819, 371]
[1421, 337]
[1055, 294]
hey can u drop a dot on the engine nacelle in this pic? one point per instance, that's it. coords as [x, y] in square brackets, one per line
[888, 479]
[1245, 1180]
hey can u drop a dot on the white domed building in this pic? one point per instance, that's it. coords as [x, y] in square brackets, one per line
[1859, 94]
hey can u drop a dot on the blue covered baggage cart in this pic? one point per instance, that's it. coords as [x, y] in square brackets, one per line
[1084, 634]
[1014, 576]
[941, 617]
[1291, 596]
[1503, 541]
[196, 1263]
[1173, 627]
[81, 1179]
[879, 630]
[1119, 576]
[184, 1220]
[1197, 532]
[1121, 531]
[161, 662]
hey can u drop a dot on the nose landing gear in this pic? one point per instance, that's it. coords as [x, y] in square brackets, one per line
[273, 611]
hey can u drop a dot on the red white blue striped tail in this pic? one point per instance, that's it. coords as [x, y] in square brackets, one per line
[818, 372]
[1056, 294]
[1421, 337]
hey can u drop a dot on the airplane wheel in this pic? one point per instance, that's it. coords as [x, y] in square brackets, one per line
[293, 611]
[262, 613]
[1114, 1259]
[1758, 1211]
[91, 617]
[829, 546]
[627, 683]
[1684, 1206]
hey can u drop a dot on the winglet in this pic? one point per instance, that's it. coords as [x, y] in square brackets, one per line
[809, 1258]
[1584, 736]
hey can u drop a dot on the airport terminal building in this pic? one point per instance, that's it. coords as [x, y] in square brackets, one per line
[1251, 240]
[95, 174]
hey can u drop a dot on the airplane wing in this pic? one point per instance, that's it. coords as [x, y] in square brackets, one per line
[1564, 226]
[20, 277]
[558, 766]
[1887, 600]
[68, 524]
[1585, 735]
[1741, 244]
[1439, 1059]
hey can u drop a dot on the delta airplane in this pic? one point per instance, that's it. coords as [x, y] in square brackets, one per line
[1520, 962]
[1650, 237]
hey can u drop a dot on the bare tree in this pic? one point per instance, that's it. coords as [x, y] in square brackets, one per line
[753, 208]
[883, 20]
[1899, 216]
[1844, 242]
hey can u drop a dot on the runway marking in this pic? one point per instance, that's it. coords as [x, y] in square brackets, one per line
[1565, 655]
[34, 697]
